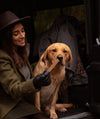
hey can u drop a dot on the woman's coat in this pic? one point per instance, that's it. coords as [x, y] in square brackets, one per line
[12, 84]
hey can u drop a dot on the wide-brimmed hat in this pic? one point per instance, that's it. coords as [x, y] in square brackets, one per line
[7, 18]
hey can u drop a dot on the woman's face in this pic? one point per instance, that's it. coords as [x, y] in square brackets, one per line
[18, 35]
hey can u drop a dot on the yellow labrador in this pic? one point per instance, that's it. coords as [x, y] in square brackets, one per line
[46, 98]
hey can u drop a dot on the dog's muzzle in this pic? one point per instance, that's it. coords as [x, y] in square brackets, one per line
[60, 58]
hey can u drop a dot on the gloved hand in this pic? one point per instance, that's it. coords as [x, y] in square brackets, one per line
[42, 79]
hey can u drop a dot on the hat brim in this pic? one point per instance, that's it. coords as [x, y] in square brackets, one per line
[24, 20]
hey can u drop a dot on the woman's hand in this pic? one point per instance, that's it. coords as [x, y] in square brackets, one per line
[42, 79]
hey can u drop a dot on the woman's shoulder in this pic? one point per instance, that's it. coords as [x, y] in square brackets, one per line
[3, 54]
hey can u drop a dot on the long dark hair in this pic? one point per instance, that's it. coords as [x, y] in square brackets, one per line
[19, 56]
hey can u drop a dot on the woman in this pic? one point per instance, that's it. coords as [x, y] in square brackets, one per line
[17, 86]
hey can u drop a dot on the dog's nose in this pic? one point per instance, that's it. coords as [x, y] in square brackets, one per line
[60, 57]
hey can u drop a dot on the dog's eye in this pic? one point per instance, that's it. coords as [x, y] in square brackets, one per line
[54, 50]
[65, 51]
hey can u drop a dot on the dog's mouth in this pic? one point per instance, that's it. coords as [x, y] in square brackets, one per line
[60, 63]
[60, 58]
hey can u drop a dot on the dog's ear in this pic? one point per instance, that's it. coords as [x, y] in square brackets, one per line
[70, 58]
[44, 57]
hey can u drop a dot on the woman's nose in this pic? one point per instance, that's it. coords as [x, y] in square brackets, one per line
[22, 35]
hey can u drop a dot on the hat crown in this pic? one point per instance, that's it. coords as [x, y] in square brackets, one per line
[7, 18]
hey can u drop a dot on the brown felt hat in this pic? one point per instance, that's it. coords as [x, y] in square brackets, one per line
[7, 18]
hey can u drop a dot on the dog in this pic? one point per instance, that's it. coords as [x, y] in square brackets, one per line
[46, 98]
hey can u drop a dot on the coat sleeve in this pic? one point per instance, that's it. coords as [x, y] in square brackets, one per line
[11, 82]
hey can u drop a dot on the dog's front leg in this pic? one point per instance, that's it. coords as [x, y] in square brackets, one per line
[37, 100]
[53, 114]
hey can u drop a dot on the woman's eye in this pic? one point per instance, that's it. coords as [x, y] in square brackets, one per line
[54, 50]
[15, 34]
[23, 30]
[65, 51]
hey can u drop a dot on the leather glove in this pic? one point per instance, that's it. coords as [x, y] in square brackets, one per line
[42, 79]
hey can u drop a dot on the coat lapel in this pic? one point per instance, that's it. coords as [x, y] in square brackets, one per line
[29, 66]
[21, 72]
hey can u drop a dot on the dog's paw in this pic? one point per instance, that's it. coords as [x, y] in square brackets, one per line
[38, 107]
[53, 115]
[47, 111]
[63, 109]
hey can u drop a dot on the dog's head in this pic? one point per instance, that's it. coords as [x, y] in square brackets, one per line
[60, 51]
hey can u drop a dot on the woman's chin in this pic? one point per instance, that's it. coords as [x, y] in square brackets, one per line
[22, 45]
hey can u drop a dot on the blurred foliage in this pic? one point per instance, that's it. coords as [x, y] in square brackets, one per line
[77, 11]
[45, 18]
